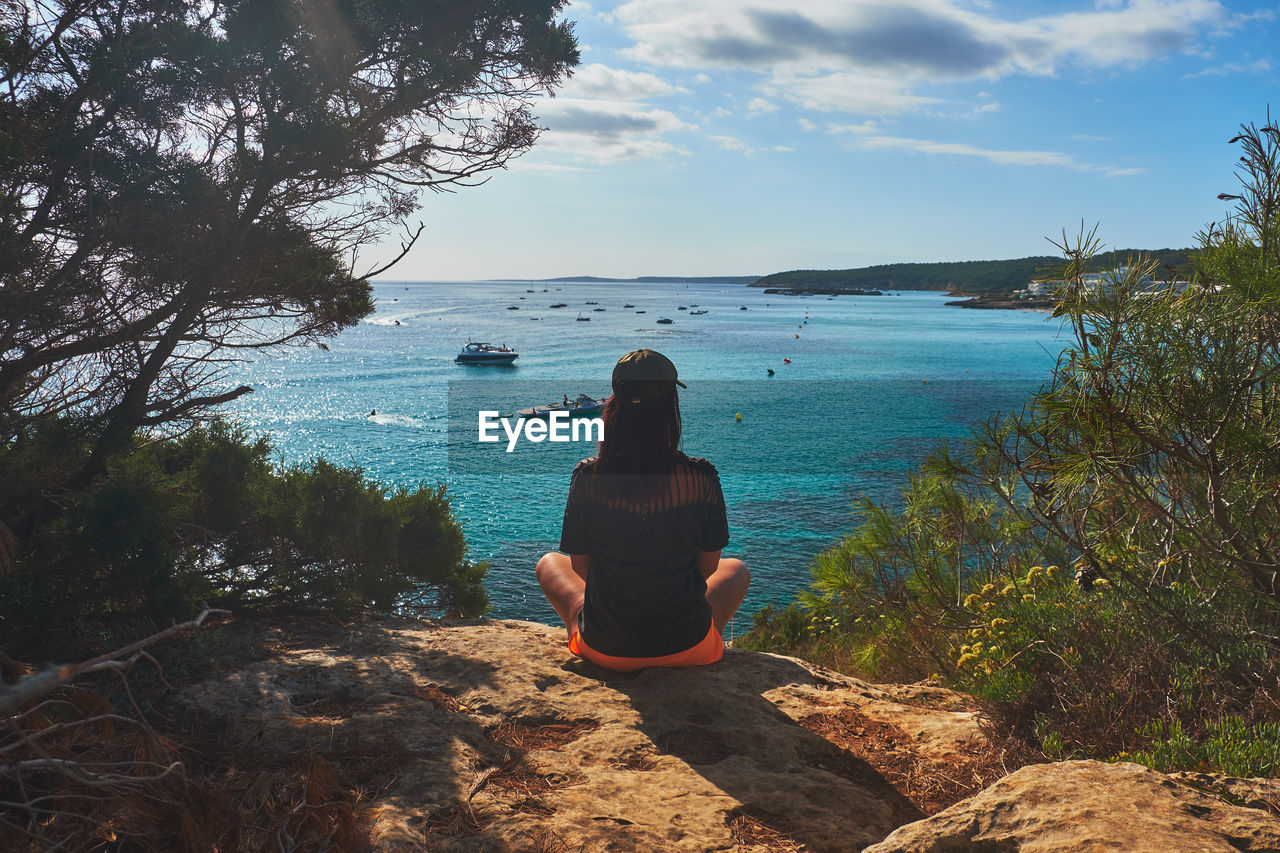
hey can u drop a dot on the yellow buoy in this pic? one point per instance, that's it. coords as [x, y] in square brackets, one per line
[739, 415]
[966, 370]
[797, 337]
[925, 381]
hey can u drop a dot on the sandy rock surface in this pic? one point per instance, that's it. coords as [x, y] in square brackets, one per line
[488, 735]
[1088, 806]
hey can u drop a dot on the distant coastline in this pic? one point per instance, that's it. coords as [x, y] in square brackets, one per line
[822, 291]
[983, 302]
[993, 282]
[643, 279]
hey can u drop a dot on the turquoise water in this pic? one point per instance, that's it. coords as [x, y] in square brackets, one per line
[873, 382]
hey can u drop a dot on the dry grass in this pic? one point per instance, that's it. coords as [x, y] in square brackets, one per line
[527, 738]
[929, 785]
[440, 699]
[759, 831]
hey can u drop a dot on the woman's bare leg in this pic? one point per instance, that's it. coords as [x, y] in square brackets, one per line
[562, 586]
[726, 588]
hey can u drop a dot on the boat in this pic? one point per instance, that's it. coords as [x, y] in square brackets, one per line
[666, 321]
[597, 309]
[583, 405]
[528, 291]
[628, 305]
[743, 308]
[682, 308]
[639, 312]
[693, 305]
[513, 307]
[582, 319]
[695, 313]
[592, 303]
[561, 305]
[478, 352]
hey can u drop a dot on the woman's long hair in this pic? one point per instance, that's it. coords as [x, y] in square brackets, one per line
[641, 435]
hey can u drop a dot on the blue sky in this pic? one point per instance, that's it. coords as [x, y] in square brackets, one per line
[704, 137]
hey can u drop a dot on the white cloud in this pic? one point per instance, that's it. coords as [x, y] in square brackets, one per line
[849, 92]
[1257, 67]
[759, 106]
[601, 81]
[729, 143]
[807, 125]
[601, 131]
[866, 137]
[601, 116]
[721, 112]
[864, 56]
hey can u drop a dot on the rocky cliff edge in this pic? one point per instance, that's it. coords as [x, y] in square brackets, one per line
[489, 736]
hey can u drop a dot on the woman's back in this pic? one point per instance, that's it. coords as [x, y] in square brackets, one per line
[645, 595]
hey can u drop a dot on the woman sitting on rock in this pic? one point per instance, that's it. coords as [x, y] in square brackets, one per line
[640, 581]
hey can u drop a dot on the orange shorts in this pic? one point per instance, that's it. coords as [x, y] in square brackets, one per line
[710, 650]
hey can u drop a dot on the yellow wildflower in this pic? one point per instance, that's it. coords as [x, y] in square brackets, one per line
[1009, 590]
[1028, 597]
[972, 599]
[987, 589]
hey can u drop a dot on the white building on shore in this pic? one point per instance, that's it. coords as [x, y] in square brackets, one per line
[1102, 284]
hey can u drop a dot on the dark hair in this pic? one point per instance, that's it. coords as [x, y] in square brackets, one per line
[641, 433]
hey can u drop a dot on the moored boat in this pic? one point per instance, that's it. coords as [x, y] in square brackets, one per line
[478, 352]
[584, 404]
[666, 321]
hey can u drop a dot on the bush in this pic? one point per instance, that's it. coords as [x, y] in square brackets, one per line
[207, 516]
[1228, 745]
[1150, 465]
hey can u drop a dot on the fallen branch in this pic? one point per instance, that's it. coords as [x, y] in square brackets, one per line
[32, 687]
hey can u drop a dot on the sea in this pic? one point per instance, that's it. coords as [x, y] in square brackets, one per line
[805, 404]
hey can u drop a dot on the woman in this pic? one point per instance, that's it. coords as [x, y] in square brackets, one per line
[640, 581]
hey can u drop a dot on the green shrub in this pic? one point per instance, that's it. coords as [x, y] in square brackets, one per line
[207, 516]
[1226, 745]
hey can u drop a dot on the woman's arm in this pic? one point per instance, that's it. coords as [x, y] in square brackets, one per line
[708, 562]
[581, 565]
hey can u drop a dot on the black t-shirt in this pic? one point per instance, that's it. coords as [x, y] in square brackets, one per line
[645, 596]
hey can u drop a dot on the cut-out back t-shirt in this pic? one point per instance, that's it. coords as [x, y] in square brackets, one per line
[645, 596]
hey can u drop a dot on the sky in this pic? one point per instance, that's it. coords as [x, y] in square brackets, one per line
[744, 137]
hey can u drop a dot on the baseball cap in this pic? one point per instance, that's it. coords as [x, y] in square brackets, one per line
[647, 373]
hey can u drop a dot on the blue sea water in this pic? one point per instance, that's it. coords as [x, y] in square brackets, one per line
[872, 384]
